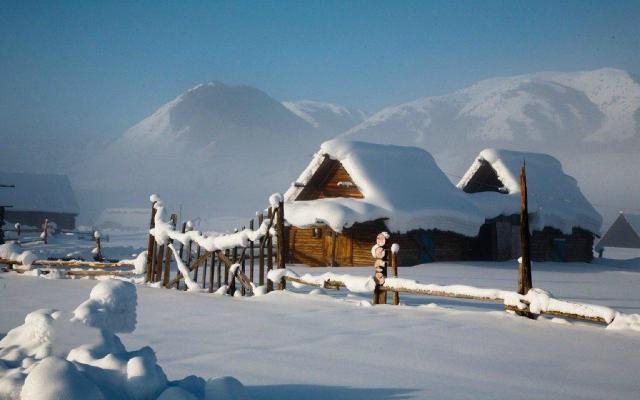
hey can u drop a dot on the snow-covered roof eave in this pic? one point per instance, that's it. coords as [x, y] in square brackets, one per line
[555, 200]
[410, 191]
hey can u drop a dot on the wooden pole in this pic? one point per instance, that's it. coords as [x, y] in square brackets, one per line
[261, 253]
[204, 273]
[251, 255]
[151, 243]
[45, 230]
[281, 243]
[524, 270]
[219, 270]
[157, 268]
[394, 268]
[166, 275]
[269, 252]
[211, 273]
[195, 271]
[98, 255]
[2, 224]
[226, 268]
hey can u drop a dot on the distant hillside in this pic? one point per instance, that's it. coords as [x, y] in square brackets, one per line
[216, 148]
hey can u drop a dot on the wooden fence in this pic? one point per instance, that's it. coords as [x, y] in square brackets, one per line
[213, 266]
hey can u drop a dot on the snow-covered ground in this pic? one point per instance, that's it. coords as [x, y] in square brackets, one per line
[333, 344]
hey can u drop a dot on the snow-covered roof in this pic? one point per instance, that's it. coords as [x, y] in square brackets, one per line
[38, 192]
[634, 221]
[555, 200]
[401, 184]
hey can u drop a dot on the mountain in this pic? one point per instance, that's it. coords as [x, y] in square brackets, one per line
[328, 117]
[589, 120]
[217, 149]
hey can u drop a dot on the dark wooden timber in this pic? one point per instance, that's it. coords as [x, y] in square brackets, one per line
[251, 255]
[151, 243]
[269, 250]
[394, 269]
[263, 240]
[524, 270]
[281, 243]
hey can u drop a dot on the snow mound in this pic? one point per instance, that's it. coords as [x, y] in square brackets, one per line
[111, 305]
[12, 251]
[55, 355]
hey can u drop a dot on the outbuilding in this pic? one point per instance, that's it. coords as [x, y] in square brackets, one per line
[38, 196]
[562, 220]
[352, 190]
[624, 232]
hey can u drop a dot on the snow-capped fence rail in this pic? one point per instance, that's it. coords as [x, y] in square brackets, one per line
[222, 258]
[536, 302]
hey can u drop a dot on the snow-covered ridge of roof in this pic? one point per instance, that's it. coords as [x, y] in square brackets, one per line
[555, 199]
[401, 184]
[38, 192]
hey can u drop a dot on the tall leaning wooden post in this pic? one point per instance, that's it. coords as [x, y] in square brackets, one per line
[282, 247]
[524, 270]
[152, 240]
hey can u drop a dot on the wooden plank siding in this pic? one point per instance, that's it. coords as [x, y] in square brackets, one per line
[330, 180]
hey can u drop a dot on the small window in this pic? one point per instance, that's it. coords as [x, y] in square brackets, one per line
[317, 233]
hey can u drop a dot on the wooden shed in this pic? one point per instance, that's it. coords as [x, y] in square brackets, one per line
[39, 196]
[562, 220]
[351, 191]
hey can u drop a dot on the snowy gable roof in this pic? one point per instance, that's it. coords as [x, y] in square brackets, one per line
[633, 220]
[401, 184]
[555, 200]
[38, 192]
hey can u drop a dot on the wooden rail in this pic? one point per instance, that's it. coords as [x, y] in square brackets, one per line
[71, 264]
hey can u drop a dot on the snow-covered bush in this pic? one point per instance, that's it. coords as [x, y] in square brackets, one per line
[57, 355]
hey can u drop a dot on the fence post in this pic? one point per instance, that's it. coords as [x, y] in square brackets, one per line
[251, 261]
[17, 225]
[151, 244]
[167, 258]
[157, 266]
[219, 270]
[184, 229]
[98, 255]
[45, 230]
[381, 254]
[281, 243]
[195, 271]
[261, 252]
[2, 224]
[211, 274]
[269, 251]
[394, 268]
[524, 269]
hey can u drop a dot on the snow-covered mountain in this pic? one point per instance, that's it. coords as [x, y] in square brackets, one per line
[589, 120]
[587, 109]
[218, 148]
[328, 117]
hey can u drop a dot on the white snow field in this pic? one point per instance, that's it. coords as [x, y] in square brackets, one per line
[317, 344]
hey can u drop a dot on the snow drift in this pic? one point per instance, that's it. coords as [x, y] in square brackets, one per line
[54, 355]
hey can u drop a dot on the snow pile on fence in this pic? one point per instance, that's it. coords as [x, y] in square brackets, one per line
[536, 301]
[401, 184]
[555, 200]
[163, 231]
[54, 355]
[13, 252]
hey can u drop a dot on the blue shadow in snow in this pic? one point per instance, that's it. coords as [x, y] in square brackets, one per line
[322, 392]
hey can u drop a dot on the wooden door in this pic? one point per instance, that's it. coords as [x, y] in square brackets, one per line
[338, 249]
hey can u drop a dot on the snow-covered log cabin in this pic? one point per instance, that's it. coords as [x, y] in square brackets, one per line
[39, 196]
[562, 220]
[351, 191]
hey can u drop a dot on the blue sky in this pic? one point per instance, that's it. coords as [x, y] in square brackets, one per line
[96, 67]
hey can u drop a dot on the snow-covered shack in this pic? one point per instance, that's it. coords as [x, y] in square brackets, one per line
[351, 191]
[562, 220]
[624, 232]
[39, 196]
